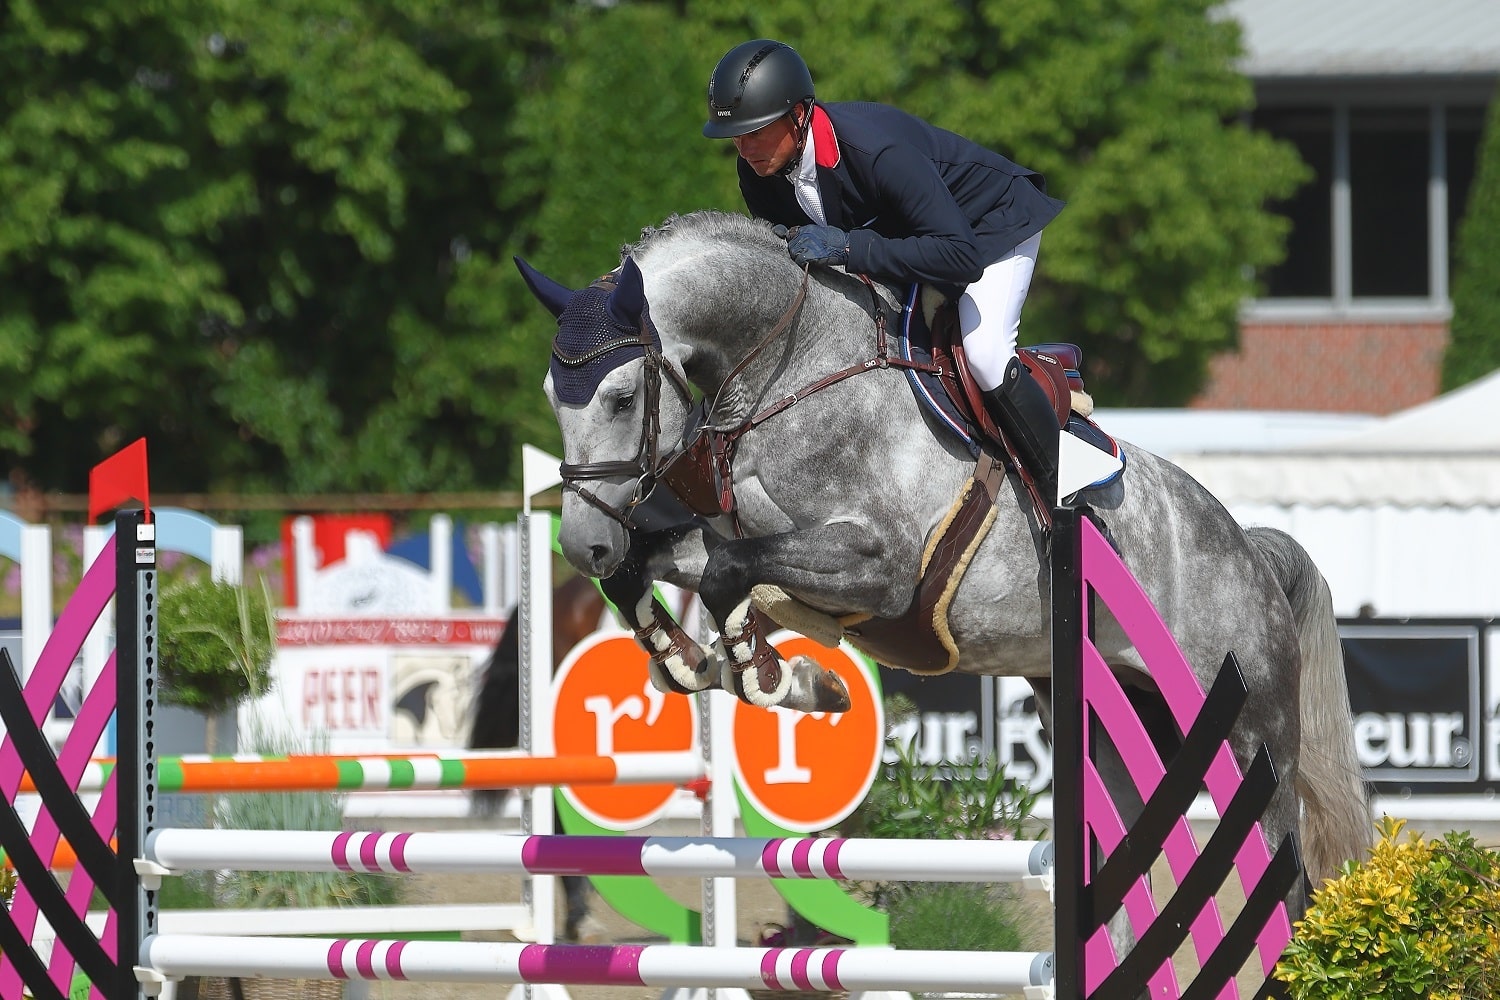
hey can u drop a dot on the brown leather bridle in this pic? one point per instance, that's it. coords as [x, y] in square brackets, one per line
[648, 462]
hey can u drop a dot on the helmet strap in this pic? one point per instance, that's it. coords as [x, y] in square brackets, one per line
[794, 163]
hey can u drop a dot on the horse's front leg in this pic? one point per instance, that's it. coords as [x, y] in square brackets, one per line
[839, 565]
[678, 665]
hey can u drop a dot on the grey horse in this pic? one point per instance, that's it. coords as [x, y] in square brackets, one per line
[837, 492]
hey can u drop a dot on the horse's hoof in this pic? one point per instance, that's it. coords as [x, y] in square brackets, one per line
[586, 931]
[816, 688]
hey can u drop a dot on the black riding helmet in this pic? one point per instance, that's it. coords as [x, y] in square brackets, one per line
[754, 84]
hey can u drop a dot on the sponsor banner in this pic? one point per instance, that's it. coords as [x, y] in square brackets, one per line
[955, 721]
[479, 631]
[1025, 750]
[1415, 693]
[377, 685]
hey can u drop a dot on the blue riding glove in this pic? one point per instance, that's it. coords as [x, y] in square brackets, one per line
[819, 245]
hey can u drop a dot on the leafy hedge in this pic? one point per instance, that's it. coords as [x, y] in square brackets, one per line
[1420, 919]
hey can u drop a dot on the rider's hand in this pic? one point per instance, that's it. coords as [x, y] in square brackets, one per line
[782, 232]
[819, 245]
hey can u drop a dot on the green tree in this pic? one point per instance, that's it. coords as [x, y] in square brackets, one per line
[1130, 108]
[1474, 344]
[268, 236]
[274, 237]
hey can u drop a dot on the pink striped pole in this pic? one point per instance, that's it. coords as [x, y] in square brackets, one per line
[699, 857]
[791, 969]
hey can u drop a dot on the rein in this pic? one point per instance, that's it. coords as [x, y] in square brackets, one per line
[713, 448]
[698, 462]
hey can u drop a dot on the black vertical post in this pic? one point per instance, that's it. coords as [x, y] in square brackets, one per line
[135, 724]
[1068, 630]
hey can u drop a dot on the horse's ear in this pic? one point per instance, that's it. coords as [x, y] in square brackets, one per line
[548, 292]
[629, 296]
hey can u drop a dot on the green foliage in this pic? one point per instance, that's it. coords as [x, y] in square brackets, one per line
[292, 811]
[1420, 919]
[952, 916]
[973, 801]
[275, 237]
[216, 641]
[267, 236]
[1474, 342]
[1130, 108]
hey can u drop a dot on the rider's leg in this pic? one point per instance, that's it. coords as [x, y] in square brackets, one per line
[1024, 412]
[989, 314]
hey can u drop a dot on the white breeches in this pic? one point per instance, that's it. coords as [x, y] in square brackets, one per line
[989, 312]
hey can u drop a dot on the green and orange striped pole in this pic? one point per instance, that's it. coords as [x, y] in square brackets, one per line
[417, 772]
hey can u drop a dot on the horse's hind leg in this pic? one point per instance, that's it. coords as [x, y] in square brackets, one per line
[678, 664]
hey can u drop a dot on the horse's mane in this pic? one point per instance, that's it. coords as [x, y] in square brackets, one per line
[742, 237]
[707, 225]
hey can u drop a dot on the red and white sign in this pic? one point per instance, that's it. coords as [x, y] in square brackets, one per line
[479, 631]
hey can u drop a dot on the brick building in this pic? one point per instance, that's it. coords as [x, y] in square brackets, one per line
[1386, 101]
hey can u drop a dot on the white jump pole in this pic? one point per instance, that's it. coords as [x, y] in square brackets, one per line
[539, 471]
[673, 966]
[841, 858]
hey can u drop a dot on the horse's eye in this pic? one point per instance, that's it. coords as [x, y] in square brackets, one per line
[623, 404]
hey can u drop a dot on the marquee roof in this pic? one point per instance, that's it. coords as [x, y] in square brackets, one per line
[1331, 38]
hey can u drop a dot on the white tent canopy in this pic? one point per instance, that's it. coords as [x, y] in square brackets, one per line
[1443, 453]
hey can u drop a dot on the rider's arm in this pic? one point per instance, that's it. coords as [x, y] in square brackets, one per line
[937, 243]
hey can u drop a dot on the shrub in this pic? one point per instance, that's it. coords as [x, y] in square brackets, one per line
[317, 810]
[1420, 919]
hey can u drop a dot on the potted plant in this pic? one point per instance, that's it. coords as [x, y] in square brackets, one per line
[216, 642]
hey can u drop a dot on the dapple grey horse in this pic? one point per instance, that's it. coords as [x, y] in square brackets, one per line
[838, 493]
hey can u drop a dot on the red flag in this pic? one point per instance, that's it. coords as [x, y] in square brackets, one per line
[120, 477]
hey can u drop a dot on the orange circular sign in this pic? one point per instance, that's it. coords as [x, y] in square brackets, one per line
[806, 772]
[604, 704]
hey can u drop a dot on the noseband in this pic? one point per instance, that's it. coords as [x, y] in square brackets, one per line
[648, 463]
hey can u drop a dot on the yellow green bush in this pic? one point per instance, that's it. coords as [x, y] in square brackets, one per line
[1419, 919]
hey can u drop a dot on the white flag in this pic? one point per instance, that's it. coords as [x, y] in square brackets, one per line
[538, 472]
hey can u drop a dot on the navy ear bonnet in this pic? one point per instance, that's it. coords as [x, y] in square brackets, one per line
[599, 328]
[585, 331]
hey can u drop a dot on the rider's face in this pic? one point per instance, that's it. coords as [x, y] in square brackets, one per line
[769, 148]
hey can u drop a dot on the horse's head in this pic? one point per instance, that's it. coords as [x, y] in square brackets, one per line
[618, 425]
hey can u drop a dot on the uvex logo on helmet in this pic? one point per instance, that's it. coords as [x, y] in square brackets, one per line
[755, 83]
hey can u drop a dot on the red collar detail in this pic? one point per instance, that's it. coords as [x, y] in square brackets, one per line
[825, 140]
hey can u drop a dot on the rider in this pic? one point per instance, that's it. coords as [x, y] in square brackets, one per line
[884, 193]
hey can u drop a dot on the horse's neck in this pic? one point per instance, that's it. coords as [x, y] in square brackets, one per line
[826, 335]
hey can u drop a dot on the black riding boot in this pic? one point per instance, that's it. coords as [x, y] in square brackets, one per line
[1022, 410]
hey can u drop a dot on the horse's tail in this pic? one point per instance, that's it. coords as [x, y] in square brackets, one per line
[1336, 820]
[497, 710]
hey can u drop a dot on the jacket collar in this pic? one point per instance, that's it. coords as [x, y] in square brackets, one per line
[825, 139]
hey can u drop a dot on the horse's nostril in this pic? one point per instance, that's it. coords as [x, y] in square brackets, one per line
[598, 553]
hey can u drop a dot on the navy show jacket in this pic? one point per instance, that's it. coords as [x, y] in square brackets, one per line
[920, 203]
